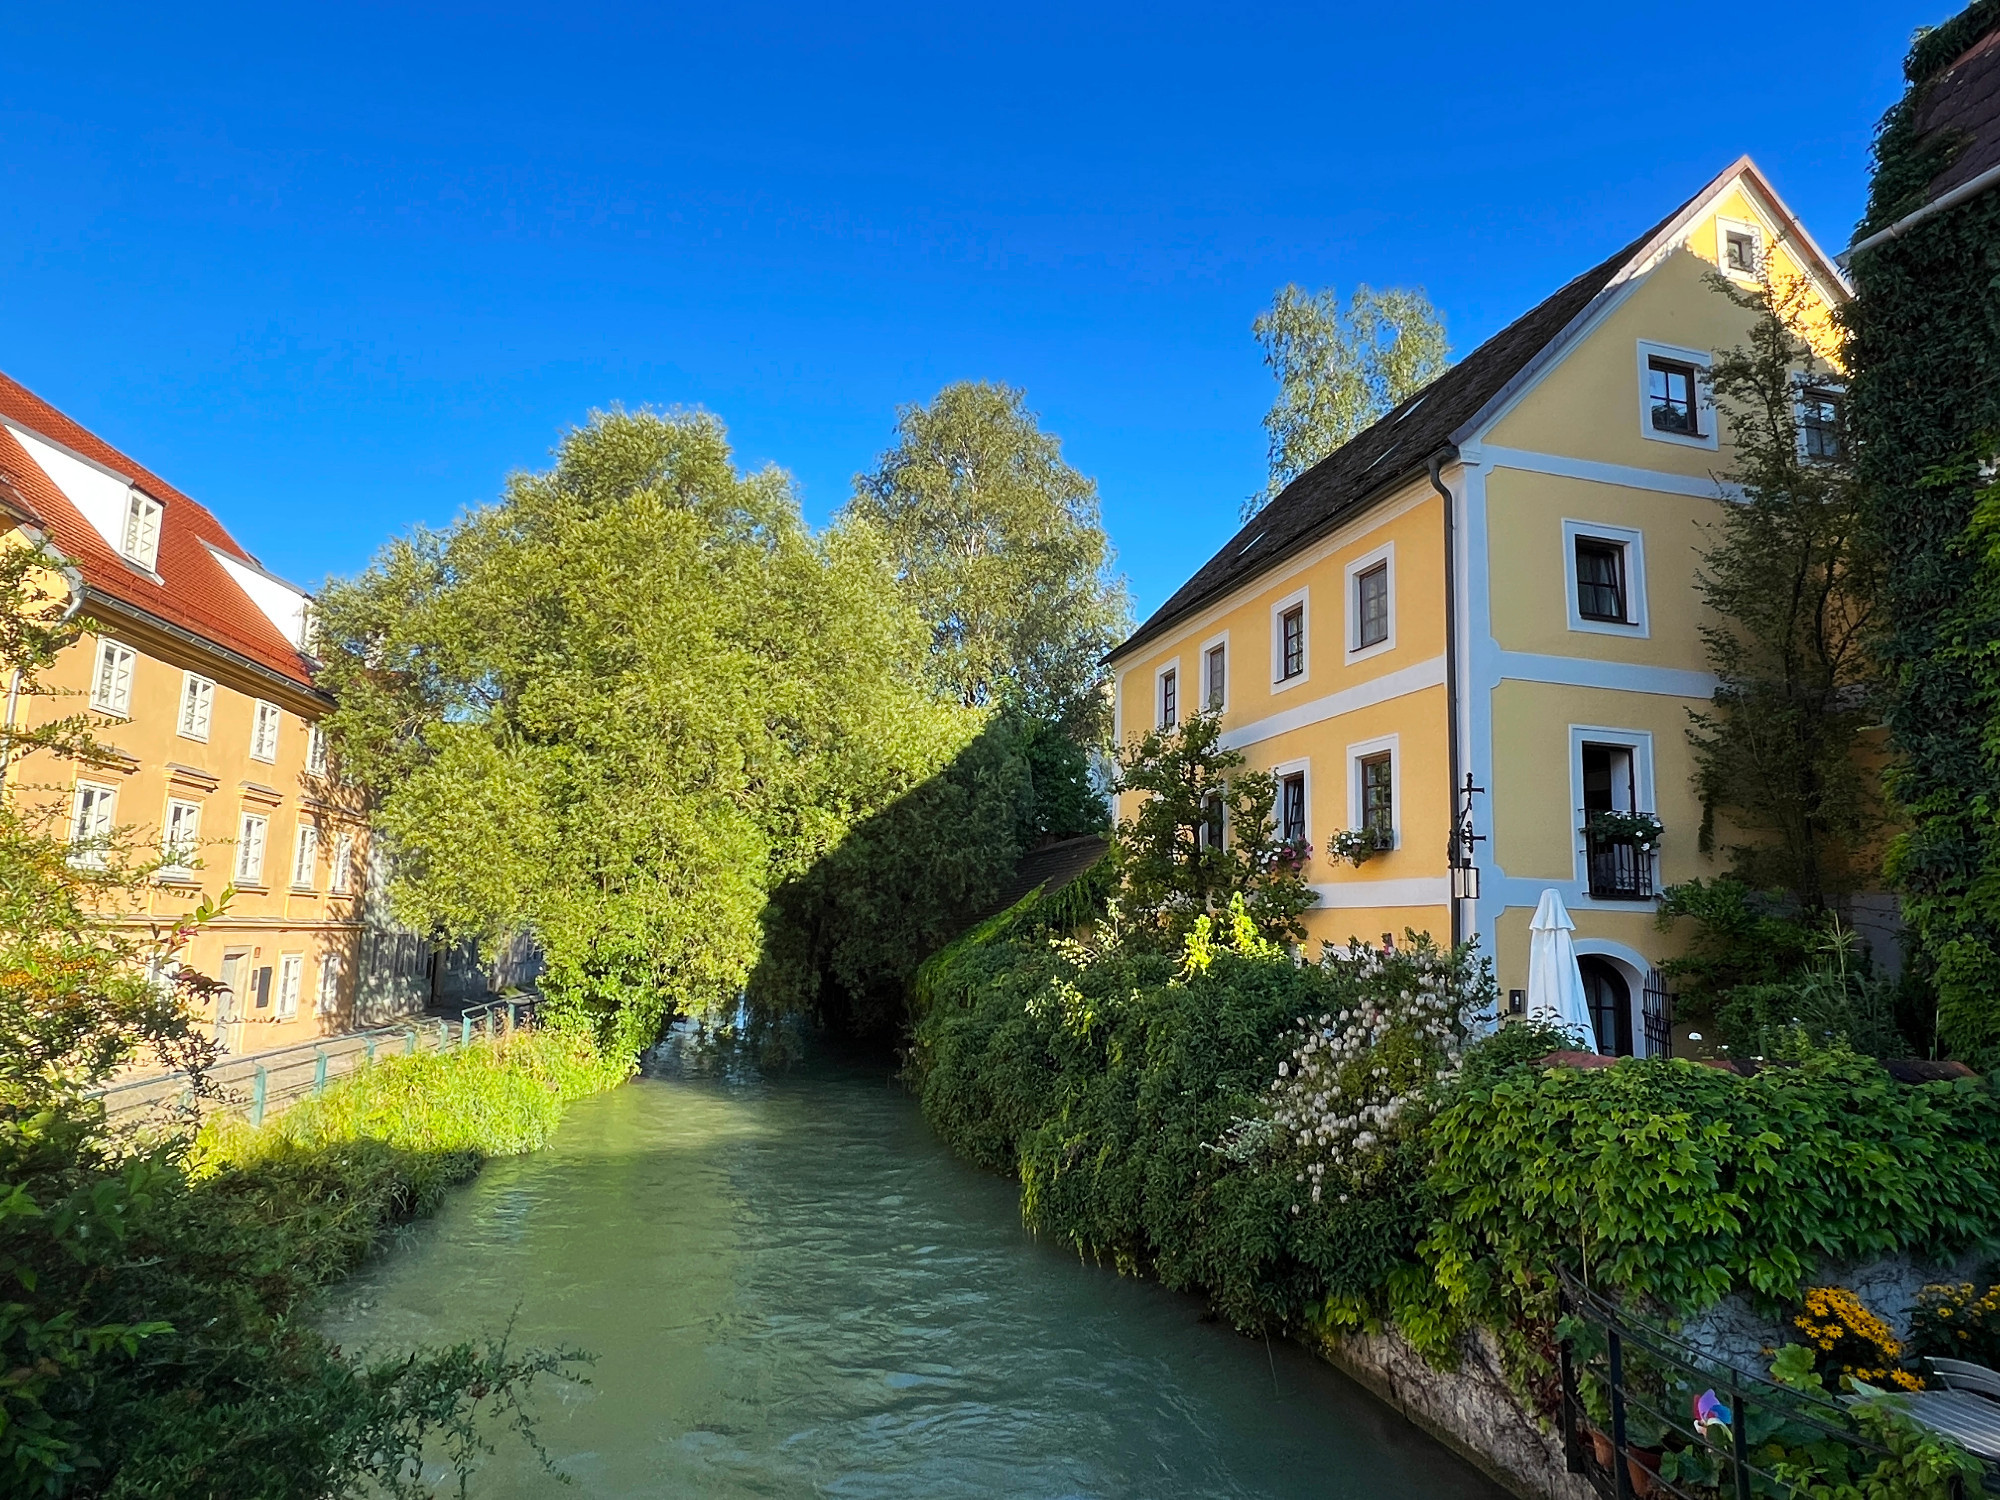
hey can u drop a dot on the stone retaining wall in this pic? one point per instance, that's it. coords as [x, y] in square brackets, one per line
[1471, 1410]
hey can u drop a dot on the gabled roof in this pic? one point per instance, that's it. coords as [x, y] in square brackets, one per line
[1964, 101]
[192, 592]
[1397, 450]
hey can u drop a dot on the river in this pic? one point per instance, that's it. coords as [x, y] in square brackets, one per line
[792, 1289]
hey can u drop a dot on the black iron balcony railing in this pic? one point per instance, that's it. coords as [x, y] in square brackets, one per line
[1618, 851]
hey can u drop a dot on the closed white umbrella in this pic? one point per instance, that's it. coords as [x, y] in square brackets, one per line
[1555, 984]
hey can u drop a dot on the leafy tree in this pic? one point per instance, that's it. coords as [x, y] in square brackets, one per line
[1794, 584]
[1203, 832]
[1340, 369]
[622, 705]
[997, 542]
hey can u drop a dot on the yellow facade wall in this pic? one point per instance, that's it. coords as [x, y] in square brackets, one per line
[266, 921]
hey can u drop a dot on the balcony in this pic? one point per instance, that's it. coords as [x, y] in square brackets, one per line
[1619, 850]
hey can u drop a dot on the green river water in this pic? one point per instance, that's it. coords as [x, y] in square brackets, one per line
[792, 1289]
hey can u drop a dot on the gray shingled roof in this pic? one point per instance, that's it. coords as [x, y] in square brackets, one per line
[1397, 449]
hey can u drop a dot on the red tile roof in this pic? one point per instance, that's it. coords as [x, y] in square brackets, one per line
[195, 592]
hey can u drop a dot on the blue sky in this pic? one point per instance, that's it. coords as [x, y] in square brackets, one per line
[335, 270]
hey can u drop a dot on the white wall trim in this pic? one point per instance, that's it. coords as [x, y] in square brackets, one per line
[1351, 603]
[1201, 672]
[1640, 743]
[1705, 413]
[1758, 233]
[1353, 895]
[1633, 542]
[1302, 766]
[1301, 599]
[1633, 967]
[1625, 476]
[1613, 676]
[1171, 666]
[1390, 685]
[1392, 744]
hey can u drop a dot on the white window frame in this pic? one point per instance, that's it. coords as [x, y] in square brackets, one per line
[1302, 600]
[305, 857]
[315, 750]
[1637, 624]
[1640, 743]
[1364, 750]
[118, 701]
[1801, 383]
[90, 841]
[249, 872]
[340, 875]
[184, 841]
[1705, 413]
[1201, 667]
[327, 1001]
[1758, 238]
[196, 690]
[136, 544]
[291, 980]
[265, 714]
[1351, 592]
[1299, 767]
[1160, 675]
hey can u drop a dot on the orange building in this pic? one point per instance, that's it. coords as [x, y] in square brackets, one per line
[198, 670]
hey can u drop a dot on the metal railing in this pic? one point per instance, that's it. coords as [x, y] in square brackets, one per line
[288, 1073]
[1647, 1384]
[1619, 868]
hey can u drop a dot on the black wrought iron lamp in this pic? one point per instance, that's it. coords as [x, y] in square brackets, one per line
[1460, 851]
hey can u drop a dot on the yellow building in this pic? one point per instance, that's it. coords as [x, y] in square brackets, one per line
[1495, 584]
[198, 672]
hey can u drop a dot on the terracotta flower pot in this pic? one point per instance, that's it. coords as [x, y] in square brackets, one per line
[1642, 1465]
[1601, 1447]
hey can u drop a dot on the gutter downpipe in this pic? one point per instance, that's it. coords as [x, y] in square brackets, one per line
[1450, 675]
[75, 581]
[1968, 189]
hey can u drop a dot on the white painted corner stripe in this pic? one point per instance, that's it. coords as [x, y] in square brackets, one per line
[1564, 467]
[1617, 676]
[1410, 679]
[1350, 895]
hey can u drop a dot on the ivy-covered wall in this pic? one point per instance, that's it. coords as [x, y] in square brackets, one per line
[1925, 356]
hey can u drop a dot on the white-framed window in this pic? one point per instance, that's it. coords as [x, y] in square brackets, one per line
[111, 684]
[1822, 417]
[305, 857]
[1215, 674]
[1291, 641]
[1611, 770]
[264, 721]
[197, 706]
[180, 836]
[1375, 790]
[1739, 249]
[1212, 831]
[90, 823]
[1605, 577]
[1291, 814]
[251, 838]
[329, 984]
[341, 876]
[1167, 696]
[1674, 404]
[291, 977]
[315, 750]
[142, 530]
[1371, 603]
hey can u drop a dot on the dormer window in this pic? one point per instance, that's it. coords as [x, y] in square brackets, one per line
[142, 530]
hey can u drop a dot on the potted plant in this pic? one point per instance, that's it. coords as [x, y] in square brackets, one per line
[1642, 830]
[1354, 845]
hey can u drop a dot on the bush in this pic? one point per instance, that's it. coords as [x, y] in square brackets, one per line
[1958, 1320]
[1673, 1184]
[1138, 1099]
[160, 1343]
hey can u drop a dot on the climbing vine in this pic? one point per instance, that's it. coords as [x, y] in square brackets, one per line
[1924, 348]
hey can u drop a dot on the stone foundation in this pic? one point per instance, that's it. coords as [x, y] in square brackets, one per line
[1471, 1410]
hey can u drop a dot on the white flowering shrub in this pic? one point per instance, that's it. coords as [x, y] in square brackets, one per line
[1362, 1077]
